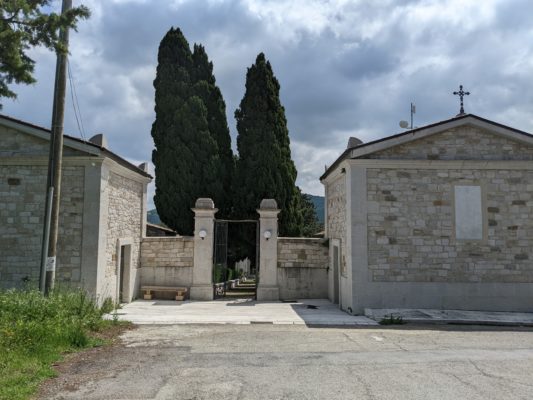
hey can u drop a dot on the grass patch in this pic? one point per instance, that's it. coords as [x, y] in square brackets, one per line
[35, 331]
[392, 320]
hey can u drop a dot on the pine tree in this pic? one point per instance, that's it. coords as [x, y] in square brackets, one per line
[205, 87]
[25, 24]
[264, 167]
[186, 156]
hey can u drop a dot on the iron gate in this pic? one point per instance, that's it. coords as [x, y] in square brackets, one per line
[220, 259]
[220, 256]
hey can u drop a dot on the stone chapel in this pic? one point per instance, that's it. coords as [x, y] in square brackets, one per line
[436, 217]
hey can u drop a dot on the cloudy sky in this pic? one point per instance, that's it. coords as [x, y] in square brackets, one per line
[346, 68]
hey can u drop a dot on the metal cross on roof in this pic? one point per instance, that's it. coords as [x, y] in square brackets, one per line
[461, 94]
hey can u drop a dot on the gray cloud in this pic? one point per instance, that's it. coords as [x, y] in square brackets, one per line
[345, 68]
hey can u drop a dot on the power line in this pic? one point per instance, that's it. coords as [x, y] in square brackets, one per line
[75, 103]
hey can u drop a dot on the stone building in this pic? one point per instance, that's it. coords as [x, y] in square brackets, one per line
[102, 215]
[436, 217]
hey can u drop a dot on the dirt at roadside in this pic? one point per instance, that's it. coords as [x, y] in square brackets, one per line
[69, 369]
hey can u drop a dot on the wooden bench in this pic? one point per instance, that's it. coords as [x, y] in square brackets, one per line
[180, 291]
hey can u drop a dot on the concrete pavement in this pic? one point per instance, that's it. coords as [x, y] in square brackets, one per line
[296, 362]
[238, 311]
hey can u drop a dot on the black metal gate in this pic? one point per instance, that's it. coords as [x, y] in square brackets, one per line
[220, 256]
[220, 259]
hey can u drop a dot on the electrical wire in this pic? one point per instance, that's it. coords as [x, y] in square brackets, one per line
[75, 103]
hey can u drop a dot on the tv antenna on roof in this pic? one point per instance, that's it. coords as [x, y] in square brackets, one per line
[405, 124]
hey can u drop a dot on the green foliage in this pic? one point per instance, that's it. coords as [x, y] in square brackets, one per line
[219, 272]
[107, 306]
[318, 202]
[265, 168]
[205, 87]
[392, 320]
[23, 25]
[187, 157]
[311, 226]
[35, 330]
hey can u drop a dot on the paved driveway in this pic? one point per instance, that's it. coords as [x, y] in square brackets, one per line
[241, 311]
[298, 362]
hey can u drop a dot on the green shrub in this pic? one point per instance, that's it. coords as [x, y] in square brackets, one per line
[218, 274]
[35, 331]
[108, 305]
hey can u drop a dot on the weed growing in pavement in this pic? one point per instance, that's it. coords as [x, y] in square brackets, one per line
[392, 320]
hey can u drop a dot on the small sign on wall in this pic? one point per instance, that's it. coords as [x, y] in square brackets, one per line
[50, 264]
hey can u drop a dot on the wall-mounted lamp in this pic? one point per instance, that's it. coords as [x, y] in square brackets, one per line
[202, 234]
[267, 234]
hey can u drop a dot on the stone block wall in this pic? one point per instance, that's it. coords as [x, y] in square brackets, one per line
[411, 226]
[462, 143]
[336, 208]
[124, 217]
[19, 144]
[336, 215]
[167, 261]
[71, 224]
[124, 221]
[303, 268]
[22, 199]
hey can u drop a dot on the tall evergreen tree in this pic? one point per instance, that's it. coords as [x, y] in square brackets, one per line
[186, 155]
[205, 87]
[311, 226]
[264, 167]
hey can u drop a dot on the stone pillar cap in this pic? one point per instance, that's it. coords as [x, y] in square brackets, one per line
[205, 203]
[268, 204]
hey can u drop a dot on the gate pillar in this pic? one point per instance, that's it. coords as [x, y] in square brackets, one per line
[204, 224]
[267, 288]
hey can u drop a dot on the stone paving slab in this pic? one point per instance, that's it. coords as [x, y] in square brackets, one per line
[238, 311]
[434, 316]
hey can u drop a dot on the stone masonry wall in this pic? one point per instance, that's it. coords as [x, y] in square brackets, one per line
[336, 214]
[302, 268]
[22, 198]
[167, 261]
[462, 143]
[19, 144]
[124, 221]
[411, 225]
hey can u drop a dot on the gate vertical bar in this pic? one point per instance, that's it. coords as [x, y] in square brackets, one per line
[257, 255]
[220, 259]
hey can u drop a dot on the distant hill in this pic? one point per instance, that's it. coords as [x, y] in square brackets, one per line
[318, 202]
[153, 218]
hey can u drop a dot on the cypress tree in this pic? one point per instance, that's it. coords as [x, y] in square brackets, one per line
[264, 167]
[185, 156]
[205, 87]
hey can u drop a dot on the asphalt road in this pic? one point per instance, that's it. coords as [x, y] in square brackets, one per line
[297, 362]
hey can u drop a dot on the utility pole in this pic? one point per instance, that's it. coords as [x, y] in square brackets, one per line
[53, 186]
